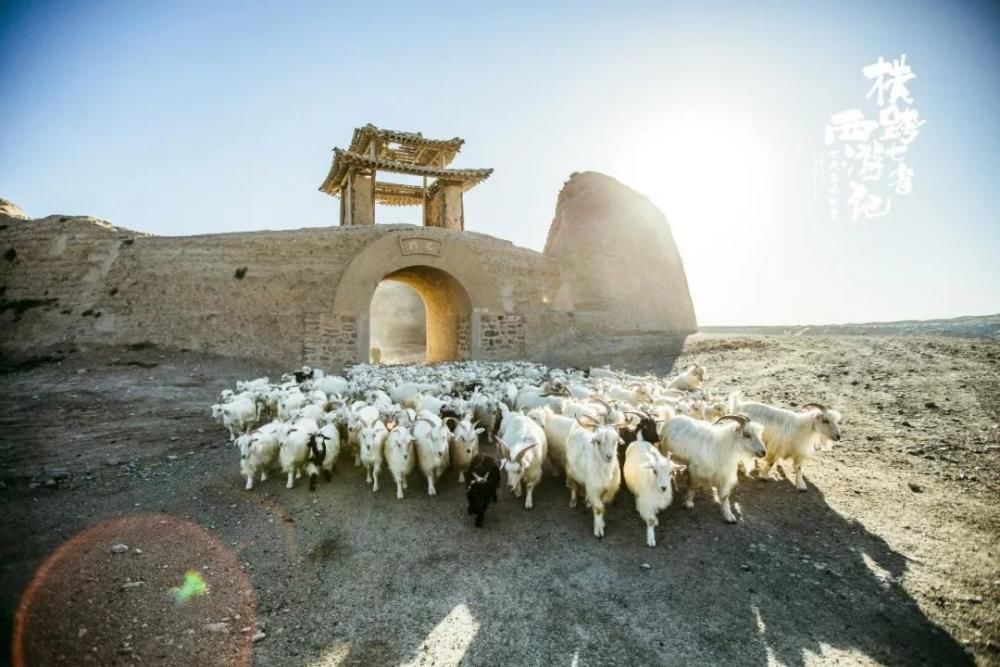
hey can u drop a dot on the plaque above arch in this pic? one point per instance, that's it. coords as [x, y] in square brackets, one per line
[420, 245]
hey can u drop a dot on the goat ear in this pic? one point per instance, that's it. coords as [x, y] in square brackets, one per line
[679, 467]
[480, 430]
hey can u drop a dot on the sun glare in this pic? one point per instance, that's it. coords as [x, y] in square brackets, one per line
[707, 170]
[716, 178]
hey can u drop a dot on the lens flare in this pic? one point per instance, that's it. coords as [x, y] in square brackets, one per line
[194, 585]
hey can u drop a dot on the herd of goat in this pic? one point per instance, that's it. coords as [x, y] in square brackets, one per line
[569, 421]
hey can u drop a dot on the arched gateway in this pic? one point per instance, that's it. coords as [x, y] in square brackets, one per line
[455, 294]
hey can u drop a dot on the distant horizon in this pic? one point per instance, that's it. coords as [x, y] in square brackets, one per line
[848, 324]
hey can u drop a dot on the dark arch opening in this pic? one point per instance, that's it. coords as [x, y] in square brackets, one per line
[446, 307]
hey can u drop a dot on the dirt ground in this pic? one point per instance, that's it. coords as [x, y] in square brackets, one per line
[891, 557]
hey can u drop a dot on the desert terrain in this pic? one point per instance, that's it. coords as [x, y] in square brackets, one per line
[891, 557]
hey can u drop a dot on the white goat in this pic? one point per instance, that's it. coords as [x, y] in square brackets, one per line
[431, 435]
[464, 445]
[712, 452]
[406, 393]
[530, 398]
[399, 456]
[648, 475]
[239, 415]
[792, 435]
[557, 429]
[295, 448]
[293, 401]
[689, 380]
[259, 451]
[371, 441]
[523, 446]
[635, 396]
[592, 467]
[333, 385]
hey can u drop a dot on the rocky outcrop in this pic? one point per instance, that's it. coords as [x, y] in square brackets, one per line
[618, 259]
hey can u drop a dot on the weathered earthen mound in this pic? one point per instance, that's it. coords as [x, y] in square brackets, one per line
[11, 210]
[632, 268]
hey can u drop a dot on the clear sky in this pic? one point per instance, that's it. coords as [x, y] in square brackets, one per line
[198, 117]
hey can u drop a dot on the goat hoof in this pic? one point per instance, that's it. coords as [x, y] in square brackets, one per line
[689, 504]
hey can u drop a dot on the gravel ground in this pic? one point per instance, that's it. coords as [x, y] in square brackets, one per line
[892, 556]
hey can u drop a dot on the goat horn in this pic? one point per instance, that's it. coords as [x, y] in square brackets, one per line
[520, 454]
[740, 419]
[607, 406]
[504, 448]
[593, 422]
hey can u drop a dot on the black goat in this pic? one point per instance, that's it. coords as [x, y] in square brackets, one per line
[629, 434]
[447, 414]
[646, 426]
[317, 453]
[484, 478]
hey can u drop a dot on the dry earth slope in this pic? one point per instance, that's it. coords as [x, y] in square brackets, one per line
[891, 557]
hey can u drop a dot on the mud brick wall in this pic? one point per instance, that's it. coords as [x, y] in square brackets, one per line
[610, 276]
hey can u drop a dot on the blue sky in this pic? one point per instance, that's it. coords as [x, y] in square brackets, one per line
[186, 118]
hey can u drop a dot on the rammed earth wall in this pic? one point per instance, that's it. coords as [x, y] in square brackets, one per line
[610, 272]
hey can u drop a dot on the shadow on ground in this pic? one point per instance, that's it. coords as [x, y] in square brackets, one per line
[795, 580]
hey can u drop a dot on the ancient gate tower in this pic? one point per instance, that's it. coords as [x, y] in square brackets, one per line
[353, 177]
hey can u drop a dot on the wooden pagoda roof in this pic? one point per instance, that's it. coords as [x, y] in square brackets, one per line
[397, 194]
[404, 147]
